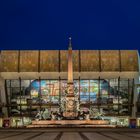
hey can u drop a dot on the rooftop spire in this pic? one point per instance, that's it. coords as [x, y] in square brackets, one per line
[70, 44]
[70, 63]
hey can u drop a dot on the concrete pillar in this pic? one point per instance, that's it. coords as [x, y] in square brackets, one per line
[3, 96]
[135, 99]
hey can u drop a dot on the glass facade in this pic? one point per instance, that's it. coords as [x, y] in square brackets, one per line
[101, 97]
[106, 99]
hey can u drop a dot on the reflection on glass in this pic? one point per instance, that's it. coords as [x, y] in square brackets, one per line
[35, 95]
[104, 85]
[45, 91]
[15, 110]
[76, 87]
[63, 87]
[25, 83]
[8, 83]
[34, 91]
[114, 109]
[94, 89]
[104, 110]
[95, 112]
[15, 83]
[54, 87]
[55, 99]
[84, 91]
[15, 100]
[123, 109]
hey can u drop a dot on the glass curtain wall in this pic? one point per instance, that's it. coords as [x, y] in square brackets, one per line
[138, 101]
[101, 97]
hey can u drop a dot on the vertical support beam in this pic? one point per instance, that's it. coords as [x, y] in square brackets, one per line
[120, 62]
[108, 88]
[134, 97]
[79, 61]
[118, 95]
[30, 105]
[21, 115]
[89, 90]
[6, 94]
[39, 61]
[100, 65]
[108, 103]
[50, 105]
[79, 88]
[60, 94]
[18, 68]
[9, 102]
[99, 99]
[129, 96]
[4, 97]
[59, 59]
[20, 95]
[40, 104]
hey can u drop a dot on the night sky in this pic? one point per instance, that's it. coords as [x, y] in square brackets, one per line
[47, 24]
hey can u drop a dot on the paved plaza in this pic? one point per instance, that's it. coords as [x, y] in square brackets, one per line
[70, 134]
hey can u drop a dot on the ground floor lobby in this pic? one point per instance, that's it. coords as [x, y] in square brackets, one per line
[100, 100]
[105, 122]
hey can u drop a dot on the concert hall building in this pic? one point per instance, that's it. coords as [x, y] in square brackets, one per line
[105, 84]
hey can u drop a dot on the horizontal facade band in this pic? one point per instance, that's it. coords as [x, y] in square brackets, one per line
[63, 75]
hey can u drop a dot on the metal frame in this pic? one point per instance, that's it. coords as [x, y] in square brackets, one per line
[99, 104]
[39, 61]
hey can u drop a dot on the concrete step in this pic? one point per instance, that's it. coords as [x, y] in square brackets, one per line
[70, 122]
[70, 126]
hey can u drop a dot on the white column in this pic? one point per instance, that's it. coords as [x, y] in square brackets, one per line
[3, 96]
[135, 99]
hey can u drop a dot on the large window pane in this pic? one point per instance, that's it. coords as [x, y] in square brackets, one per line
[8, 83]
[35, 91]
[15, 96]
[15, 83]
[113, 95]
[63, 87]
[54, 91]
[94, 91]
[45, 91]
[104, 88]
[84, 91]
[76, 87]
[123, 91]
[25, 83]
[54, 87]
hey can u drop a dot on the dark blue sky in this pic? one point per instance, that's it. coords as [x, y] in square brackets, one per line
[47, 24]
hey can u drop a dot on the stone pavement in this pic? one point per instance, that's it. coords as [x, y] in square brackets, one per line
[70, 134]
